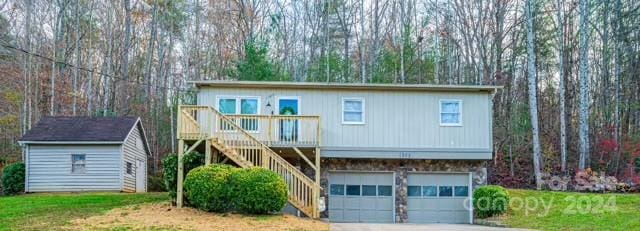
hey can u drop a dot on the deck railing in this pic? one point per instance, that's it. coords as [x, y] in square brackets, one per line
[273, 130]
[281, 130]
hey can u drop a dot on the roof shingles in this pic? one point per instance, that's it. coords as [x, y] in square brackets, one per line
[81, 129]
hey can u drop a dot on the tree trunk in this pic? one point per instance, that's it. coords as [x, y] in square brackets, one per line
[402, 40]
[26, 66]
[533, 100]
[584, 85]
[123, 89]
[152, 39]
[561, 95]
[90, 94]
[618, 63]
[363, 69]
[436, 72]
[77, 54]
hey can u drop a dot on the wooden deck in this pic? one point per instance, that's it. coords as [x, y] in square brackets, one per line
[199, 122]
[247, 140]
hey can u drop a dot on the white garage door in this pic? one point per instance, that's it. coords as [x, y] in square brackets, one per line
[438, 198]
[361, 197]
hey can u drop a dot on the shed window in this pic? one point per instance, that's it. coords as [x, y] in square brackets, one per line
[450, 112]
[129, 168]
[78, 163]
[353, 111]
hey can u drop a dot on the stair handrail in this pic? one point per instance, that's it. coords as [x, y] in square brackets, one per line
[253, 139]
[305, 202]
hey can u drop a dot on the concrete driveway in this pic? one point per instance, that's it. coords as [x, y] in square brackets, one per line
[410, 227]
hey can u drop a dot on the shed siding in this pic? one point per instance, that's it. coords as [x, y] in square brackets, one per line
[131, 152]
[49, 168]
[393, 119]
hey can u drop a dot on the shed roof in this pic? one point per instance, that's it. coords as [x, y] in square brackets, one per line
[349, 86]
[81, 129]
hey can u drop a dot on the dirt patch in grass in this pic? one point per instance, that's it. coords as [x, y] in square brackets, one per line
[162, 216]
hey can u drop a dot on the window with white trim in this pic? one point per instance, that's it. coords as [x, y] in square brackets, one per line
[353, 111]
[450, 112]
[78, 163]
[240, 106]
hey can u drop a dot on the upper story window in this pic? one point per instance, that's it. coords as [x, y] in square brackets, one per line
[78, 163]
[240, 105]
[353, 111]
[450, 112]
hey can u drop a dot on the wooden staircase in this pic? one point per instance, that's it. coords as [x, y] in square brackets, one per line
[240, 146]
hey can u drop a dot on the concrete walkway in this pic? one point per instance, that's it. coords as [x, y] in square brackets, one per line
[411, 227]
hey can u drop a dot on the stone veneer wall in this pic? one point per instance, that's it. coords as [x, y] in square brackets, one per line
[401, 169]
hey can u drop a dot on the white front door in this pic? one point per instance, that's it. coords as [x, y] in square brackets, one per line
[141, 175]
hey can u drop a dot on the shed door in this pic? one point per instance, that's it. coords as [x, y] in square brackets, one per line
[361, 197]
[141, 175]
[438, 198]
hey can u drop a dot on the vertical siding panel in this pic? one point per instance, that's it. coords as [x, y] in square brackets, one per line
[393, 118]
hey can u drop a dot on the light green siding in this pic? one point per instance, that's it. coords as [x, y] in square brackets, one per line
[402, 123]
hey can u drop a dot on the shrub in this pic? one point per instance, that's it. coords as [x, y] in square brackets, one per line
[170, 169]
[13, 179]
[490, 200]
[258, 191]
[207, 187]
[155, 183]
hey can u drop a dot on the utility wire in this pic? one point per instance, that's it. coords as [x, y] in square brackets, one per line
[90, 70]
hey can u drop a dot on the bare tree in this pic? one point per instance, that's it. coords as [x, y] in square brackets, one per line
[533, 98]
[584, 85]
[561, 88]
[77, 54]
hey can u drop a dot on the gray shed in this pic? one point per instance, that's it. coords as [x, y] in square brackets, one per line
[71, 154]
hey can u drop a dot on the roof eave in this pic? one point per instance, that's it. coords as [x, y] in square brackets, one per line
[350, 86]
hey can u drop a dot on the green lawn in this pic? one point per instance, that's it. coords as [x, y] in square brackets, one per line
[542, 210]
[51, 211]
[573, 211]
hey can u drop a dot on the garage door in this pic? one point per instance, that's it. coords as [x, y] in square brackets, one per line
[438, 198]
[361, 197]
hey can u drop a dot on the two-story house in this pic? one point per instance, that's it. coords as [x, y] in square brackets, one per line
[351, 152]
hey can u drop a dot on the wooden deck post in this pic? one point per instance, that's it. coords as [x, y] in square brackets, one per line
[179, 198]
[207, 152]
[316, 197]
[215, 156]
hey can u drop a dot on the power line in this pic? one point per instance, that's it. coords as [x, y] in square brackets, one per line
[90, 70]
